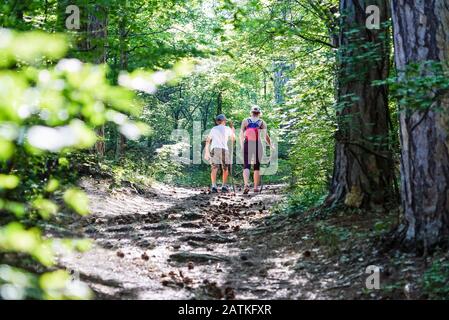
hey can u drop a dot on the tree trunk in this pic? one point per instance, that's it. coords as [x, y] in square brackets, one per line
[96, 41]
[123, 36]
[264, 85]
[95, 28]
[219, 103]
[363, 166]
[205, 113]
[91, 43]
[279, 80]
[421, 34]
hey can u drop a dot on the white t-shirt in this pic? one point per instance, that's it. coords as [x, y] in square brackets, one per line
[220, 136]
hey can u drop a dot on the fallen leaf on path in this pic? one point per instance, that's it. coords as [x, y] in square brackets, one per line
[213, 290]
[229, 293]
[145, 257]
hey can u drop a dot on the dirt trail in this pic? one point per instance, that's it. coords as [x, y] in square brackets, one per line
[175, 243]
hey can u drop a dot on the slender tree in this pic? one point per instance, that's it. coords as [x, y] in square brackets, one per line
[219, 102]
[123, 52]
[95, 41]
[363, 168]
[91, 42]
[421, 31]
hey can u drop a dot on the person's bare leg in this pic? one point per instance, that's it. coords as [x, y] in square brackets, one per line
[246, 174]
[225, 176]
[213, 175]
[256, 179]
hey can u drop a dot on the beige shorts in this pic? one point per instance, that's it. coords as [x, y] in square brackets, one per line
[220, 157]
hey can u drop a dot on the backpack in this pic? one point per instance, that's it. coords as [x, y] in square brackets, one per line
[252, 130]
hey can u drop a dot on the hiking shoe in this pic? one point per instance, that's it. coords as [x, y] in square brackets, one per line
[257, 190]
[246, 190]
[224, 189]
[214, 190]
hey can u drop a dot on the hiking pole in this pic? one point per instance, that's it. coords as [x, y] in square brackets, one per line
[231, 125]
[260, 177]
[232, 180]
[231, 166]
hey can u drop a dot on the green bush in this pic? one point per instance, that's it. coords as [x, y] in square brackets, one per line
[49, 110]
[331, 236]
[436, 280]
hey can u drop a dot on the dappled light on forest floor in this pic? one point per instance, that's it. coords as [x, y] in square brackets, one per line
[175, 243]
[169, 243]
[184, 243]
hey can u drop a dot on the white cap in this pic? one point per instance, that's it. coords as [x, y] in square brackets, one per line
[256, 109]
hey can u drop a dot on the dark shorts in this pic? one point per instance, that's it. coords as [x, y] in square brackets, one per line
[220, 157]
[252, 154]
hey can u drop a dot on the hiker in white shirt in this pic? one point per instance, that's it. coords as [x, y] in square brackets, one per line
[217, 151]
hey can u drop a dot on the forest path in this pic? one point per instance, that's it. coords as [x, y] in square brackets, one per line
[178, 243]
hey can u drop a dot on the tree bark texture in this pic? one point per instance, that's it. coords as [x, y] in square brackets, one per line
[422, 34]
[363, 167]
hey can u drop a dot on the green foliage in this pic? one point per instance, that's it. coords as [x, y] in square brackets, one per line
[382, 226]
[195, 176]
[133, 169]
[164, 167]
[331, 236]
[302, 199]
[310, 128]
[45, 114]
[436, 280]
[419, 86]
[77, 200]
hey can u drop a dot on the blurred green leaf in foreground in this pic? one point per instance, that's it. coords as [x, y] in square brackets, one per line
[50, 107]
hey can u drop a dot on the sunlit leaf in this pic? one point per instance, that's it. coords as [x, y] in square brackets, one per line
[183, 68]
[82, 245]
[130, 130]
[77, 200]
[45, 207]
[14, 237]
[44, 253]
[8, 181]
[36, 45]
[59, 285]
[18, 209]
[63, 162]
[6, 149]
[14, 283]
[77, 134]
[52, 185]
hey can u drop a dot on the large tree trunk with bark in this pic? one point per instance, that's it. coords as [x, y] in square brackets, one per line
[422, 34]
[363, 167]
